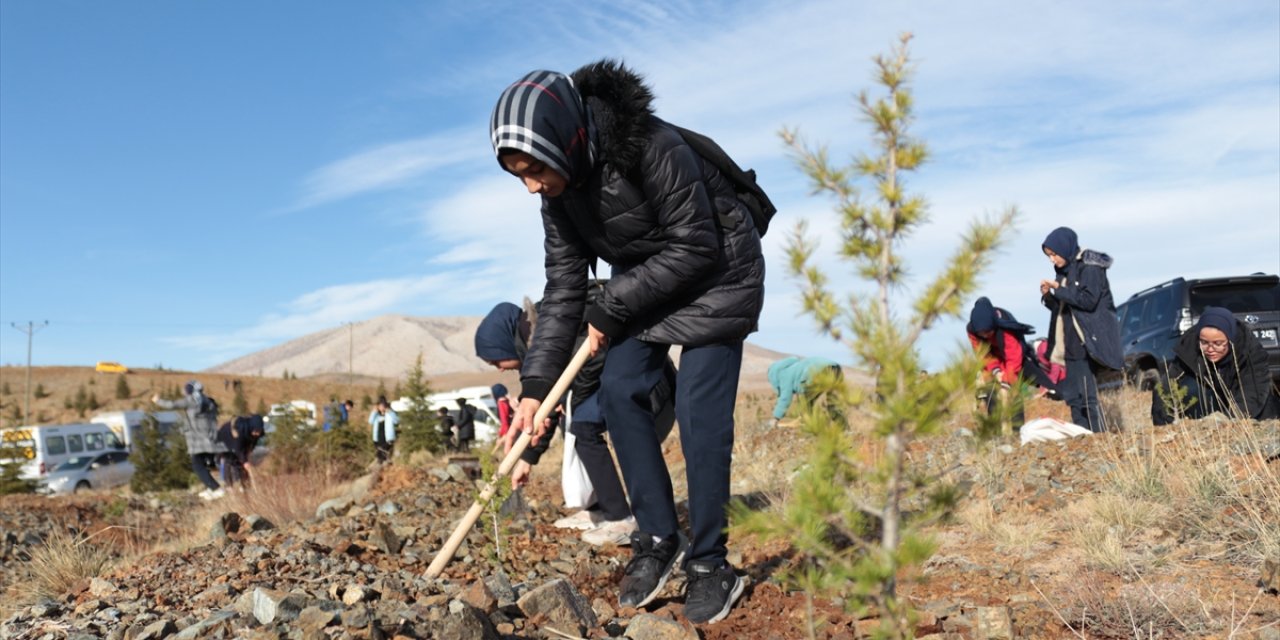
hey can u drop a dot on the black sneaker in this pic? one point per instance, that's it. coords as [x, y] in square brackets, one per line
[651, 564]
[710, 591]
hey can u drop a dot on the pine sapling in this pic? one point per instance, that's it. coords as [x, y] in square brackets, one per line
[858, 506]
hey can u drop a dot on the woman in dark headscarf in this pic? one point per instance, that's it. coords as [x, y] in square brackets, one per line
[621, 185]
[1084, 333]
[1007, 359]
[1218, 365]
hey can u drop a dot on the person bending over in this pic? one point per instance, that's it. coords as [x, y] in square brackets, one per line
[618, 184]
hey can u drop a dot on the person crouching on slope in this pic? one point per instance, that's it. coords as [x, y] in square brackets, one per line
[502, 340]
[1221, 367]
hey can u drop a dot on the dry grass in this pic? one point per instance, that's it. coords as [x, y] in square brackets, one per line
[1118, 534]
[280, 499]
[1017, 533]
[1213, 478]
[1090, 607]
[62, 561]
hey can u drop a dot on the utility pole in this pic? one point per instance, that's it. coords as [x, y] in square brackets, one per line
[30, 330]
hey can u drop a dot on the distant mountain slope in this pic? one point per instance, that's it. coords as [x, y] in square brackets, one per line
[386, 347]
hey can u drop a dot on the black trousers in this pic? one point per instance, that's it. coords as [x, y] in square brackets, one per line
[706, 391]
[201, 463]
[592, 449]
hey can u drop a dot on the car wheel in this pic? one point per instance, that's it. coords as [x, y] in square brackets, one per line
[83, 485]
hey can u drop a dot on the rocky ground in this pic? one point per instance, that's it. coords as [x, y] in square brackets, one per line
[1011, 564]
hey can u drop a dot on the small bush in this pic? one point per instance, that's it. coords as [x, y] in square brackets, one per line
[160, 460]
[62, 561]
[122, 388]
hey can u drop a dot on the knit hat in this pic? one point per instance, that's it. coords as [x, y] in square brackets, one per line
[1062, 241]
[1220, 319]
[983, 316]
[498, 390]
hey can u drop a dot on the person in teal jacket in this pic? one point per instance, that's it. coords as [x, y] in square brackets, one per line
[793, 375]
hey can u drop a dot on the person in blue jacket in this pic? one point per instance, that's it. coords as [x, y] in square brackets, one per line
[1084, 332]
[793, 375]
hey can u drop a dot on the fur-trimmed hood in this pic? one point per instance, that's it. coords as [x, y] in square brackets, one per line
[621, 108]
[1095, 258]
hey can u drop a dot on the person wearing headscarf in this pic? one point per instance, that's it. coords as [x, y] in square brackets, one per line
[608, 519]
[1006, 357]
[1218, 366]
[618, 184]
[200, 430]
[1084, 333]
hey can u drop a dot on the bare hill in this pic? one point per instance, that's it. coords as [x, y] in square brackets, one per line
[386, 346]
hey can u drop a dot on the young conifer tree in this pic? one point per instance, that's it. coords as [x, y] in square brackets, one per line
[122, 388]
[240, 404]
[857, 506]
[418, 430]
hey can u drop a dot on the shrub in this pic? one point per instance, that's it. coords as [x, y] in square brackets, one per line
[418, 430]
[12, 459]
[160, 459]
[122, 388]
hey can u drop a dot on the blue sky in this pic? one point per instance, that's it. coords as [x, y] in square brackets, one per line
[184, 183]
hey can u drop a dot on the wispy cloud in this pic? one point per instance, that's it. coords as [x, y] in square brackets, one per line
[1132, 128]
[388, 166]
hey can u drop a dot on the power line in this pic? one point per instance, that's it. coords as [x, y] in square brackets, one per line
[31, 332]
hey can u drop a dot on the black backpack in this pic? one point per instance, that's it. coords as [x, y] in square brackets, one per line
[208, 407]
[744, 181]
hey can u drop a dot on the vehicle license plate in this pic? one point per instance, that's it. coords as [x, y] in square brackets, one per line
[1267, 337]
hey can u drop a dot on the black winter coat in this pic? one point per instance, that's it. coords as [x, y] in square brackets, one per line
[1243, 382]
[687, 263]
[1085, 289]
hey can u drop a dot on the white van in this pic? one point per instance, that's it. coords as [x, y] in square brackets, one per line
[46, 446]
[487, 424]
[126, 424]
[303, 410]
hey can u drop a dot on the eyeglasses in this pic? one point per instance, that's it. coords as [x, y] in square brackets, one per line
[1216, 345]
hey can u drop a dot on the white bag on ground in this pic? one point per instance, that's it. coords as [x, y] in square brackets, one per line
[1049, 429]
[579, 493]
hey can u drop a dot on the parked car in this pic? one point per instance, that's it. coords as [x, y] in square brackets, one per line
[47, 446]
[82, 473]
[1152, 320]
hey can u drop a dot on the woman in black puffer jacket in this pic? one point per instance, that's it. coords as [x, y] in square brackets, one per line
[622, 186]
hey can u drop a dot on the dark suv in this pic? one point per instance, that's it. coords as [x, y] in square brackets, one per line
[1152, 320]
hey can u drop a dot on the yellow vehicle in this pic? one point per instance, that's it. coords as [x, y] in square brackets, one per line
[111, 367]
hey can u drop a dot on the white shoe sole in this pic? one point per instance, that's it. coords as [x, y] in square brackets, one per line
[671, 568]
[729, 602]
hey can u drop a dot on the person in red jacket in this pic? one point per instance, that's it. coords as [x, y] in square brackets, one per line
[1007, 359]
[504, 407]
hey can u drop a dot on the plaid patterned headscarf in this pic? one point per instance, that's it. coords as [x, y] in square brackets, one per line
[542, 115]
